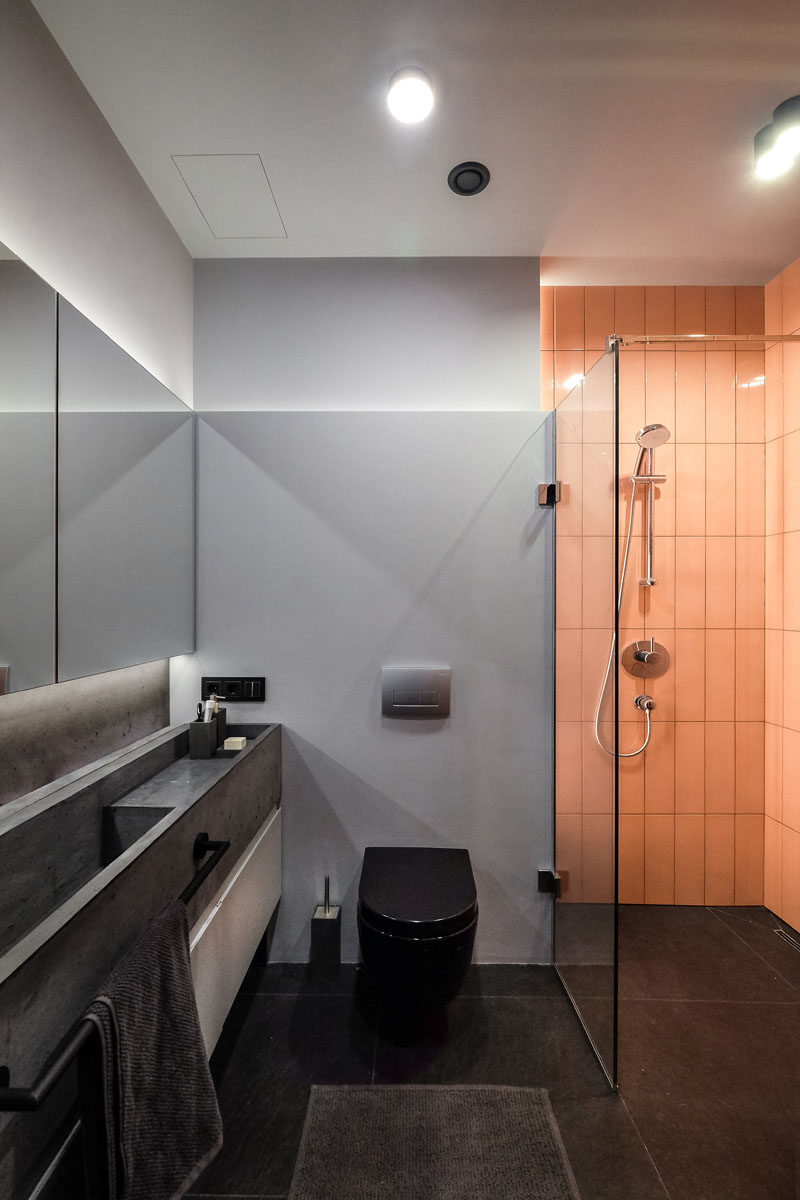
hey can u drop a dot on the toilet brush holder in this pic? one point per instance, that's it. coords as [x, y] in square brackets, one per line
[326, 937]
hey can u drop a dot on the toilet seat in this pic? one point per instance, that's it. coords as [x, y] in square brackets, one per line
[417, 892]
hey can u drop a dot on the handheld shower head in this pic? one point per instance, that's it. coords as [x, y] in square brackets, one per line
[652, 436]
[648, 438]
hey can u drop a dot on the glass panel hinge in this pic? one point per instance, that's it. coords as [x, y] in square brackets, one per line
[550, 881]
[549, 494]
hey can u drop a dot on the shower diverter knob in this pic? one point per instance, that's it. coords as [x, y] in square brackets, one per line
[646, 658]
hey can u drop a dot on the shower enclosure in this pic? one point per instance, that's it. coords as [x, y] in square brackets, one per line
[671, 461]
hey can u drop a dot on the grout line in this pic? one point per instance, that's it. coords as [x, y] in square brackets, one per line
[646, 1148]
[751, 948]
[696, 1000]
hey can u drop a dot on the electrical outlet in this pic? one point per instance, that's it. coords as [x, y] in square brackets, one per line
[233, 689]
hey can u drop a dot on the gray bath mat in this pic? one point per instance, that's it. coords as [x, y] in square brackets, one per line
[431, 1143]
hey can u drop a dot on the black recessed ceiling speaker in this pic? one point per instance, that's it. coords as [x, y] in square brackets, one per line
[468, 178]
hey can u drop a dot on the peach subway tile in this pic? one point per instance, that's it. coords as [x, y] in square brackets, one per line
[791, 387]
[659, 858]
[720, 310]
[690, 490]
[690, 401]
[748, 875]
[599, 488]
[790, 779]
[634, 598]
[773, 865]
[569, 798]
[720, 396]
[773, 581]
[631, 770]
[630, 686]
[662, 689]
[690, 310]
[790, 321]
[547, 398]
[569, 468]
[598, 316]
[546, 316]
[750, 309]
[773, 487]
[720, 582]
[750, 490]
[569, 854]
[665, 492]
[690, 582]
[568, 674]
[631, 859]
[720, 833]
[629, 310]
[598, 774]
[690, 759]
[596, 644]
[659, 770]
[773, 305]
[659, 389]
[750, 756]
[750, 582]
[791, 679]
[773, 771]
[749, 674]
[689, 858]
[750, 395]
[791, 482]
[790, 890]
[661, 598]
[689, 666]
[720, 674]
[598, 859]
[659, 310]
[773, 676]
[569, 583]
[598, 582]
[720, 767]
[791, 581]
[720, 484]
[568, 305]
[773, 392]
[631, 394]
[569, 424]
[568, 374]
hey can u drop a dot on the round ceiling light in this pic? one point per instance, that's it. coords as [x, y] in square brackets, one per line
[468, 178]
[410, 97]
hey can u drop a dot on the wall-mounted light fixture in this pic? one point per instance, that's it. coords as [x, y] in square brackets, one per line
[777, 145]
[410, 97]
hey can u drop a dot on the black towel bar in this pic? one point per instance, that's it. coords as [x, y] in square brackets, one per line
[14, 1099]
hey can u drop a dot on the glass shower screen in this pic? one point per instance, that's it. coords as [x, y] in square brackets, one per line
[586, 726]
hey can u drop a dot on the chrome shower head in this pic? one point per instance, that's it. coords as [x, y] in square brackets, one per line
[652, 436]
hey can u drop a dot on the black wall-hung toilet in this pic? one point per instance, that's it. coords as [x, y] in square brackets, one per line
[417, 916]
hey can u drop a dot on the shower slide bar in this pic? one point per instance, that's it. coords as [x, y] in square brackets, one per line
[18, 1099]
[655, 339]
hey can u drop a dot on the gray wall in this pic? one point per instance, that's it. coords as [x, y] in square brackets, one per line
[331, 543]
[367, 333]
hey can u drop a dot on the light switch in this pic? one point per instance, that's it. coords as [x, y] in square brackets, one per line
[415, 692]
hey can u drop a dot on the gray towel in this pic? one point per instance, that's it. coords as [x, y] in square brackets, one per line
[162, 1120]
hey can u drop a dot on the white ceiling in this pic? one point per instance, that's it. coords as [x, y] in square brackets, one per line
[619, 134]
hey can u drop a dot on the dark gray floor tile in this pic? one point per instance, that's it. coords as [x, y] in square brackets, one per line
[525, 1041]
[607, 1155]
[757, 927]
[584, 934]
[689, 954]
[511, 979]
[271, 1051]
[712, 1088]
[296, 979]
